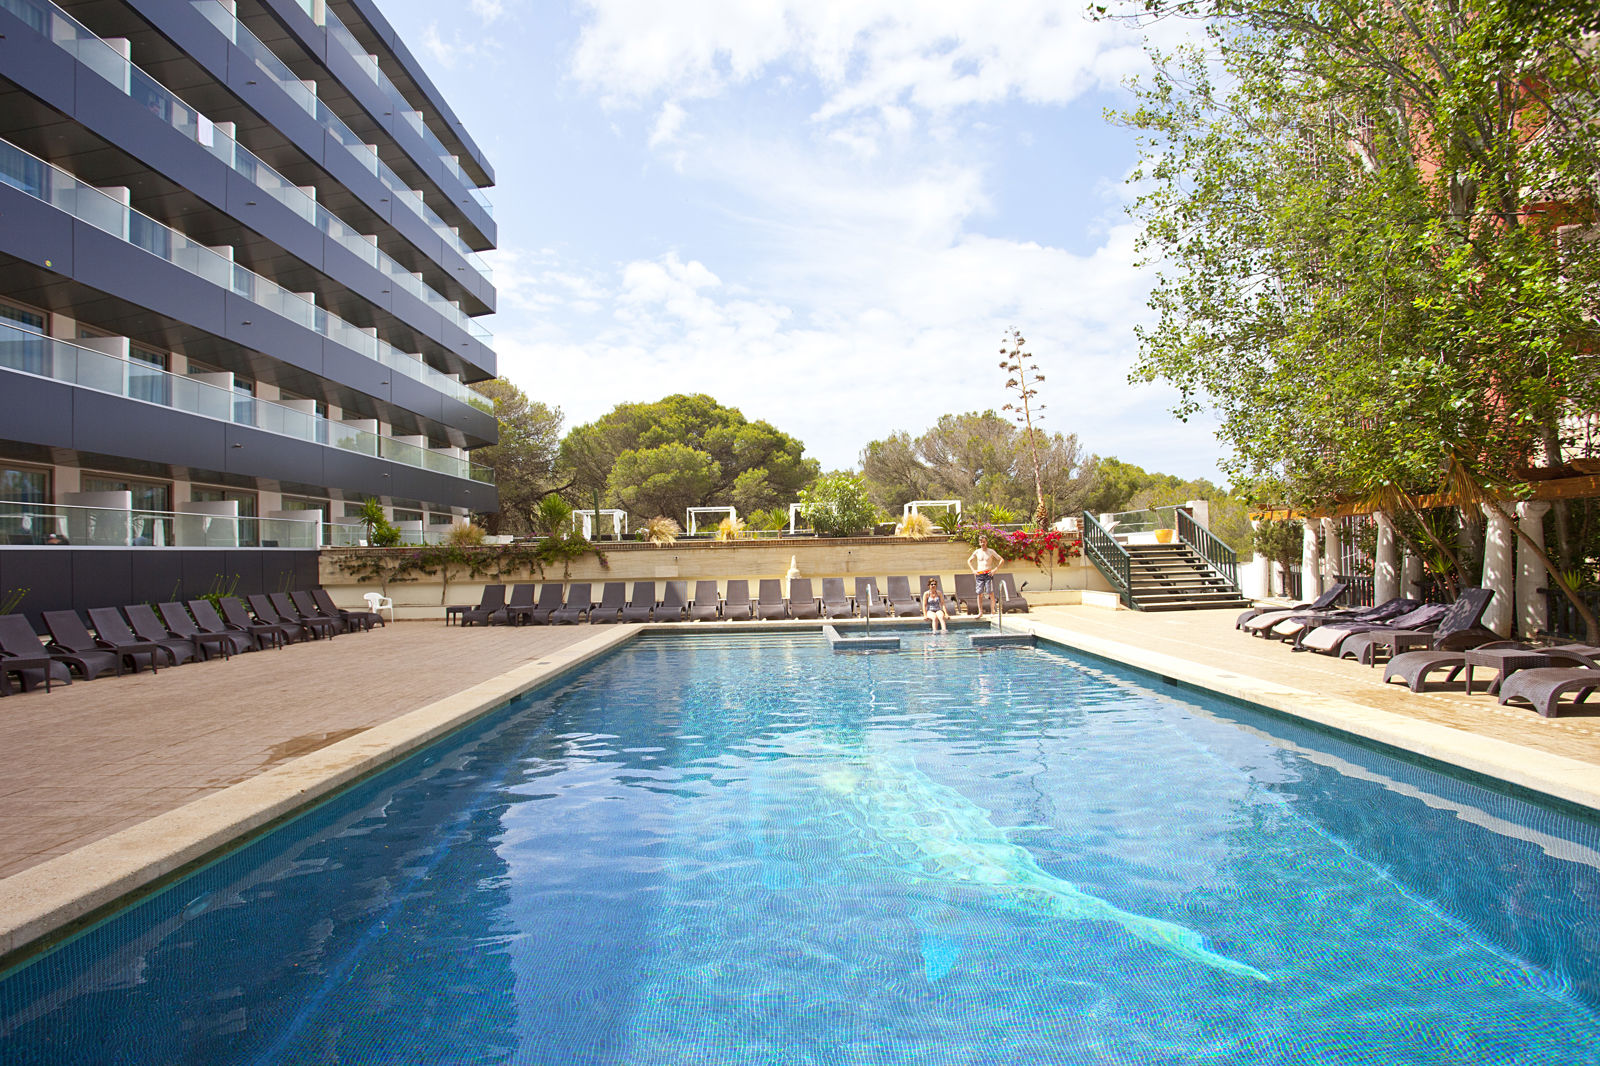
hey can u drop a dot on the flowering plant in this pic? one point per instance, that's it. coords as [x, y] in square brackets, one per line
[1037, 546]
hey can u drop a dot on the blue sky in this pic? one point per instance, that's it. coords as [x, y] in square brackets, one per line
[824, 213]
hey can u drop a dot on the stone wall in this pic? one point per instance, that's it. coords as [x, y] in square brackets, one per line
[691, 561]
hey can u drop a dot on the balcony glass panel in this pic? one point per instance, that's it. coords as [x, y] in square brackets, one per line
[26, 351]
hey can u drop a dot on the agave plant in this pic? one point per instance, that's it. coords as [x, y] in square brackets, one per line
[659, 530]
[731, 528]
[915, 527]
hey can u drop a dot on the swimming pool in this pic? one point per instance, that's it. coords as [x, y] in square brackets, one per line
[741, 848]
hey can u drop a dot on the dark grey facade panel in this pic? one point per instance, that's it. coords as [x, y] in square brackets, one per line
[288, 230]
[102, 579]
[45, 573]
[254, 453]
[112, 265]
[476, 423]
[48, 73]
[35, 410]
[124, 122]
[252, 326]
[35, 233]
[186, 28]
[413, 395]
[112, 425]
[360, 373]
[339, 262]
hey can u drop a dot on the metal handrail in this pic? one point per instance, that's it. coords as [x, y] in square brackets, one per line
[1111, 558]
[1223, 559]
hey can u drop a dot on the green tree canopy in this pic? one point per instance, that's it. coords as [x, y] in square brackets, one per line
[751, 465]
[1361, 244]
[837, 504]
[524, 460]
[977, 457]
[664, 480]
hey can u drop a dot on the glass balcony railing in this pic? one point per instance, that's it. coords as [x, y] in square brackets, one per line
[31, 175]
[340, 35]
[270, 66]
[72, 36]
[32, 353]
[28, 523]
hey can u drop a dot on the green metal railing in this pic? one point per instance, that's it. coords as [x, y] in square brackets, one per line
[1111, 558]
[1222, 558]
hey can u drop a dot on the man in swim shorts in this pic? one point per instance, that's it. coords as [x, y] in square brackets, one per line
[983, 563]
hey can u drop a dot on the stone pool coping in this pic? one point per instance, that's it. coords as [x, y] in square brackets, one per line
[44, 904]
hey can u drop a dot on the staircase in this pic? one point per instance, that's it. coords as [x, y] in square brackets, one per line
[1175, 577]
[1194, 572]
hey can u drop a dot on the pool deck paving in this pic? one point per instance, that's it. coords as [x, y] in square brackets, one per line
[117, 783]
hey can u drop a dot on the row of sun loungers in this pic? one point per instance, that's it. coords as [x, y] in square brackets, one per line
[138, 636]
[1419, 641]
[574, 603]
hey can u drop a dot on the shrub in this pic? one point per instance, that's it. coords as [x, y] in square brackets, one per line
[659, 530]
[465, 533]
[915, 526]
[731, 528]
[837, 504]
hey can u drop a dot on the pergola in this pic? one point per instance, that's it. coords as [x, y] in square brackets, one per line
[915, 507]
[692, 518]
[619, 521]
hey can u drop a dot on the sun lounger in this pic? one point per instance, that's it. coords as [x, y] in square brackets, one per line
[1259, 625]
[233, 609]
[549, 603]
[288, 612]
[967, 594]
[71, 641]
[576, 609]
[705, 607]
[642, 607]
[1330, 637]
[1543, 687]
[353, 616]
[212, 634]
[519, 605]
[901, 600]
[491, 608]
[1457, 630]
[267, 611]
[674, 605]
[1321, 603]
[835, 604]
[1295, 627]
[146, 625]
[306, 607]
[28, 668]
[770, 603]
[27, 657]
[111, 628]
[736, 605]
[613, 598]
[869, 598]
[802, 602]
[1010, 599]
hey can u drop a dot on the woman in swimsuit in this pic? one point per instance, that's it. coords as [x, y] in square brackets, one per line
[933, 608]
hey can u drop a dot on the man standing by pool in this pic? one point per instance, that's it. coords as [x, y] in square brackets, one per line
[983, 563]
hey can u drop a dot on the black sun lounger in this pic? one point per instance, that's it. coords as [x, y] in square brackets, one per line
[268, 612]
[146, 625]
[706, 605]
[1543, 687]
[27, 656]
[215, 634]
[900, 598]
[353, 616]
[613, 598]
[288, 612]
[674, 605]
[519, 608]
[306, 607]
[869, 598]
[69, 636]
[491, 607]
[802, 604]
[770, 603]
[835, 604]
[1010, 599]
[549, 603]
[643, 605]
[261, 630]
[736, 605]
[1258, 624]
[577, 606]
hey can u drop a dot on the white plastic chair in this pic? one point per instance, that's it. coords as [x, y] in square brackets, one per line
[377, 603]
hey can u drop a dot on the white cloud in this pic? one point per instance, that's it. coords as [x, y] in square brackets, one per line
[668, 122]
[458, 48]
[487, 10]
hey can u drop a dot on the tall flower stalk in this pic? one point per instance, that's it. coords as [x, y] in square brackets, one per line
[1022, 377]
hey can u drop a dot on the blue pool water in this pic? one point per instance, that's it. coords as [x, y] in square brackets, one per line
[729, 848]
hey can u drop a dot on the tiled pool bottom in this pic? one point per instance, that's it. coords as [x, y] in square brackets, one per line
[742, 848]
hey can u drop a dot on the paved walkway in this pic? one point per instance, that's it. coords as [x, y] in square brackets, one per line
[88, 760]
[95, 757]
[1208, 637]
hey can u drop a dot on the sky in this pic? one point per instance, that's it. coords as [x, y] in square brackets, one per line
[825, 213]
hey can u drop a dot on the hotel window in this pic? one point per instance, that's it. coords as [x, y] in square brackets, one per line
[22, 343]
[147, 377]
[24, 499]
[247, 507]
[147, 495]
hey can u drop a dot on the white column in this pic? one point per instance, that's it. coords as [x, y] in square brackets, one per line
[1386, 562]
[1411, 575]
[1533, 610]
[1310, 562]
[1330, 552]
[1497, 571]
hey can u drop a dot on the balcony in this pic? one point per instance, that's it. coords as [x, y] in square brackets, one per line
[28, 524]
[34, 177]
[32, 353]
[271, 67]
[96, 55]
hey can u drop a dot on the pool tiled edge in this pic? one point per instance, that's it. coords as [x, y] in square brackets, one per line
[1568, 780]
[42, 901]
